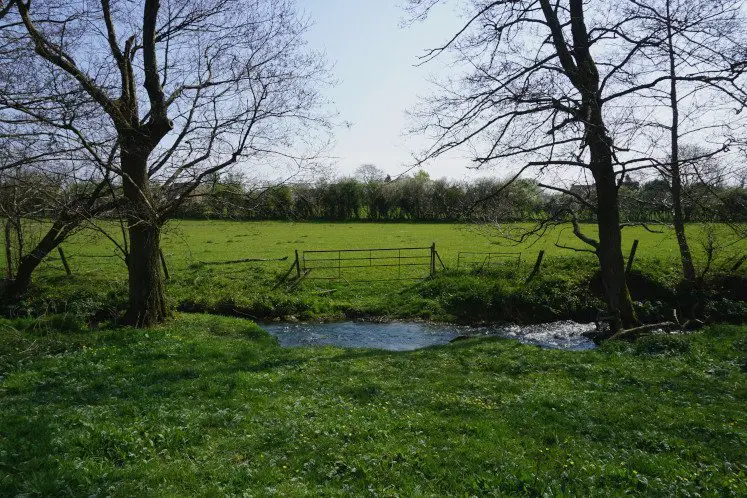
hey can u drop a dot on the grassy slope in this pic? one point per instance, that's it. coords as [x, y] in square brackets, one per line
[249, 286]
[209, 405]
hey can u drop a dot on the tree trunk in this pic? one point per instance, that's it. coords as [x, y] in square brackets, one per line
[147, 298]
[688, 268]
[585, 77]
[8, 251]
[22, 281]
[30, 262]
[609, 251]
[147, 305]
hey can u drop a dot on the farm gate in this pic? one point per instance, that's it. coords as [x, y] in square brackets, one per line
[369, 265]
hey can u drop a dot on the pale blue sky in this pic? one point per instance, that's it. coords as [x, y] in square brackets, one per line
[374, 59]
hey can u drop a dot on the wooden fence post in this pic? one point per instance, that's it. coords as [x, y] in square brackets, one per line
[8, 252]
[163, 265]
[298, 265]
[433, 259]
[632, 256]
[64, 260]
[287, 274]
[537, 265]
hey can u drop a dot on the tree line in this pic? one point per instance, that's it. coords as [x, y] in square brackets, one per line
[419, 198]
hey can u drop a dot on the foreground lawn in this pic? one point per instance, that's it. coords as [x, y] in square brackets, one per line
[210, 405]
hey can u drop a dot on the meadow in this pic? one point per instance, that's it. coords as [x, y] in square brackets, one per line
[563, 289]
[188, 242]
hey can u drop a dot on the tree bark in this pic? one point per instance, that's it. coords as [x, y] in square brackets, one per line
[22, 281]
[8, 251]
[688, 268]
[609, 251]
[147, 298]
[580, 67]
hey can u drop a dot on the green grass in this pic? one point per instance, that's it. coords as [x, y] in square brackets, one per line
[211, 406]
[99, 279]
[188, 242]
[206, 405]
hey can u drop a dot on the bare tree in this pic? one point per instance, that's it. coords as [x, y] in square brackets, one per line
[536, 94]
[700, 43]
[225, 82]
[368, 173]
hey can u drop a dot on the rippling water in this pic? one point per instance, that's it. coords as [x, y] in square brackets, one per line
[407, 336]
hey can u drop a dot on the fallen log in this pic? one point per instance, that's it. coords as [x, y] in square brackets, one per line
[325, 292]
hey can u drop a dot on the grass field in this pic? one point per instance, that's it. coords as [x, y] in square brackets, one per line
[248, 289]
[188, 242]
[211, 406]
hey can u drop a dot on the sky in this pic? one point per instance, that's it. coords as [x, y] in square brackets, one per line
[374, 60]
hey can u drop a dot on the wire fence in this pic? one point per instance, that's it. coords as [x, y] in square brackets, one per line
[485, 260]
[347, 265]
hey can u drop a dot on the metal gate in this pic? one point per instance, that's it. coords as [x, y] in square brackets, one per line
[369, 265]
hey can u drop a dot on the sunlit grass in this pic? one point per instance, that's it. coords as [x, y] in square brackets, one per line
[187, 243]
[251, 289]
[211, 406]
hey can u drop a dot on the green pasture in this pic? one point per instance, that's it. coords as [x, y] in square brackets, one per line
[251, 289]
[209, 405]
[186, 243]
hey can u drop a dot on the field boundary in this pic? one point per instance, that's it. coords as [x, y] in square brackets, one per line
[481, 260]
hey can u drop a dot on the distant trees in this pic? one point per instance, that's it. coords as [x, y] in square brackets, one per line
[483, 200]
[46, 193]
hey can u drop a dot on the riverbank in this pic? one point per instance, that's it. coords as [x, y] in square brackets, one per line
[566, 289]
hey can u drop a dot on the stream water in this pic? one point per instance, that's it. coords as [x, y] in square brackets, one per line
[407, 336]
